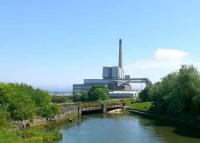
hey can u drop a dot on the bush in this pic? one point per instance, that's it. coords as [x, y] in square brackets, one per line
[21, 107]
[84, 97]
[22, 102]
[49, 111]
[98, 93]
[145, 94]
[177, 93]
[4, 118]
[77, 97]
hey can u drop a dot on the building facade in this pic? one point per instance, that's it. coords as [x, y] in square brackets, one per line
[110, 78]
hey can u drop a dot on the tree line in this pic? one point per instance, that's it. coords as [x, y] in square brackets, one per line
[23, 102]
[98, 92]
[177, 94]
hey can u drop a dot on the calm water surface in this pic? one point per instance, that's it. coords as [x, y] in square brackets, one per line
[126, 129]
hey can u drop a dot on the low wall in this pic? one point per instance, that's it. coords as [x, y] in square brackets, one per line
[67, 112]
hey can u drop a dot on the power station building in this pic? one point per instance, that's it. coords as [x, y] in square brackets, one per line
[112, 77]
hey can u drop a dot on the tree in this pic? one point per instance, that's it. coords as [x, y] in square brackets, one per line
[188, 84]
[176, 93]
[76, 97]
[49, 111]
[84, 97]
[98, 92]
[21, 106]
[41, 98]
[22, 102]
[145, 94]
[196, 104]
[42, 101]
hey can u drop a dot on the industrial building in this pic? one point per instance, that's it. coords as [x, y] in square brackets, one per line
[124, 94]
[112, 77]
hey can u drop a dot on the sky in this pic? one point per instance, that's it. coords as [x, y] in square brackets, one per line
[53, 44]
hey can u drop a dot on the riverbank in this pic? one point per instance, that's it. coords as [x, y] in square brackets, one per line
[33, 135]
[39, 130]
[144, 109]
[45, 132]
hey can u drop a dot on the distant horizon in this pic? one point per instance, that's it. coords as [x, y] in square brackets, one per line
[51, 45]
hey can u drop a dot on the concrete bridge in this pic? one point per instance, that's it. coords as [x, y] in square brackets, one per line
[100, 109]
[88, 109]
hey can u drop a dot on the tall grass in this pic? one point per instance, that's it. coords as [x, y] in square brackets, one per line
[29, 136]
[141, 105]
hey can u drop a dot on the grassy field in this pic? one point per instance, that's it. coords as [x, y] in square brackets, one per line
[141, 105]
[29, 136]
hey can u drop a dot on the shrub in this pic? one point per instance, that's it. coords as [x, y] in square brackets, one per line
[98, 92]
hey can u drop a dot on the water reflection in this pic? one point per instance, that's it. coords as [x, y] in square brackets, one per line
[126, 129]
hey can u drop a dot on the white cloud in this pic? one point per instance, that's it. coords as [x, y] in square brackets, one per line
[170, 54]
[163, 61]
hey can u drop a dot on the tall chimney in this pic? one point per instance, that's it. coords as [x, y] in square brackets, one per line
[120, 54]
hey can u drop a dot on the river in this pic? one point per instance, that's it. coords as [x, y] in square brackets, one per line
[126, 129]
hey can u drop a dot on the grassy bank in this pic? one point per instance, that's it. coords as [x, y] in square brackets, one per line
[144, 106]
[147, 110]
[48, 133]
[29, 136]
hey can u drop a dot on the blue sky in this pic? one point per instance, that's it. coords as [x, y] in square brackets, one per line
[52, 44]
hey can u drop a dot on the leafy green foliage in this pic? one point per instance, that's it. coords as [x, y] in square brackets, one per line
[4, 118]
[177, 93]
[21, 106]
[95, 93]
[196, 104]
[77, 97]
[49, 111]
[144, 94]
[41, 98]
[23, 102]
[84, 97]
[98, 92]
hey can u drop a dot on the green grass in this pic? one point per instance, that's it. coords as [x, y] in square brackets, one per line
[29, 136]
[141, 105]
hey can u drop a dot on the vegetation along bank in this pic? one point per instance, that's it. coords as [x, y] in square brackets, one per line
[21, 103]
[176, 96]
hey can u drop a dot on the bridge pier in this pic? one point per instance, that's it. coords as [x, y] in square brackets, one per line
[79, 110]
[104, 108]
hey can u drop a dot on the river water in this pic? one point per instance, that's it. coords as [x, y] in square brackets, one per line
[126, 129]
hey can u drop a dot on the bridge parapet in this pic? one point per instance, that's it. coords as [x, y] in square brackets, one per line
[103, 108]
